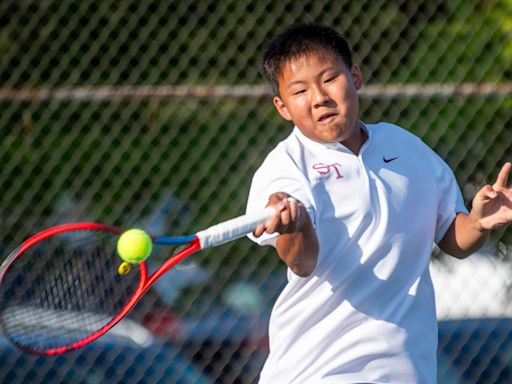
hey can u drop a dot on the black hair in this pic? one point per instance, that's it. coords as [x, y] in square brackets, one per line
[299, 40]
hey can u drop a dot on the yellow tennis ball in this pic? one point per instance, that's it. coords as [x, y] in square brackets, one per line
[134, 246]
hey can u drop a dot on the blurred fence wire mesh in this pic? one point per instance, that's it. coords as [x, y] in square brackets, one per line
[153, 114]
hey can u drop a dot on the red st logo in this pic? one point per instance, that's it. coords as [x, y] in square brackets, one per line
[324, 169]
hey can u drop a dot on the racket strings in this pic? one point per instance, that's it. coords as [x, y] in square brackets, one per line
[63, 289]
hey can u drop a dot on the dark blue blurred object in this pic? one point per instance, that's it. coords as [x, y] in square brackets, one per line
[476, 351]
[111, 359]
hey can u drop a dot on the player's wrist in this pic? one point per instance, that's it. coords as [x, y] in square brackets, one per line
[477, 223]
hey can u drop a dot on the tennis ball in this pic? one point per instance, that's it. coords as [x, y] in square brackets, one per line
[134, 246]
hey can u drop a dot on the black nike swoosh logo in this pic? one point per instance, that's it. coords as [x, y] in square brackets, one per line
[389, 160]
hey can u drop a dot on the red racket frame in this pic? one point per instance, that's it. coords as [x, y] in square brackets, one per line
[145, 280]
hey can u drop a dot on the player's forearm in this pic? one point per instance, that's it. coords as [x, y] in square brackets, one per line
[297, 244]
[464, 237]
[299, 250]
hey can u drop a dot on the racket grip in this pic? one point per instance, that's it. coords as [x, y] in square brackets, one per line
[233, 229]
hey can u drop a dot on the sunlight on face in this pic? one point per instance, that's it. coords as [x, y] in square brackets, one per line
[319, 94]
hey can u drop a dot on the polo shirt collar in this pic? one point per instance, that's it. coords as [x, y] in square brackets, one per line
[333, 146]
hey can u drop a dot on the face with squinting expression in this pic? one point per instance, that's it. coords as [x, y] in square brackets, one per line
[318, 92]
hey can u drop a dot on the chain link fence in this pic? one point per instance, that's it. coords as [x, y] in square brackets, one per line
[153, 114]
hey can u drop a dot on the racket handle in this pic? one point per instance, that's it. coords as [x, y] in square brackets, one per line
[233, 229]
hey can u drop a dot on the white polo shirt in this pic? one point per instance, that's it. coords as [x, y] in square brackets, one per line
[367, 313]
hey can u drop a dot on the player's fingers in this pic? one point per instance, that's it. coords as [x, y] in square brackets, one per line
[295, 210]
[278, 200]
[273, 222]
[292, 205]
[286, 212]
[502, 179]
[259, 230]
[487, 193]
[285, 215]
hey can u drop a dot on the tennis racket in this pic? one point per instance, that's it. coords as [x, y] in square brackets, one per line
[61, 289]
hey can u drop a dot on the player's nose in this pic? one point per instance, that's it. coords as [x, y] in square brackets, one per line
[320, 96]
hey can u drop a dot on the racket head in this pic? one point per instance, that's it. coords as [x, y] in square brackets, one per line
[61, 288]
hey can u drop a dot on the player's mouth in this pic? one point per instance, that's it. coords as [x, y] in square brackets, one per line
[327, 117]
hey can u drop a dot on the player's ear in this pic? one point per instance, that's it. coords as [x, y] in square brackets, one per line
[357, 76]
[281, 108]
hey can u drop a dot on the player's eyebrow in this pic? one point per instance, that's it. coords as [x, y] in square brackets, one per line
[295, 82]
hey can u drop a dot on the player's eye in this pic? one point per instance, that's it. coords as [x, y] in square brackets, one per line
[330, 78]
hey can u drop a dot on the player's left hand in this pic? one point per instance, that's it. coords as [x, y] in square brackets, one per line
[492, 205]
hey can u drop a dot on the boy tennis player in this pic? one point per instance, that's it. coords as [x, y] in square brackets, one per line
[358, 209]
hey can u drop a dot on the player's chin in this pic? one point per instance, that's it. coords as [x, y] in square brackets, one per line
[334, 135]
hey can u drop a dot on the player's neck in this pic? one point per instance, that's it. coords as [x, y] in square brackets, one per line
[357, 139]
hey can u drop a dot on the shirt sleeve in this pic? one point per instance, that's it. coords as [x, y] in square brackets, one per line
[277, 174]
[450, 201]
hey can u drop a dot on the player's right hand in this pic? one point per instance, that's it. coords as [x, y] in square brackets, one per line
[289, 216]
